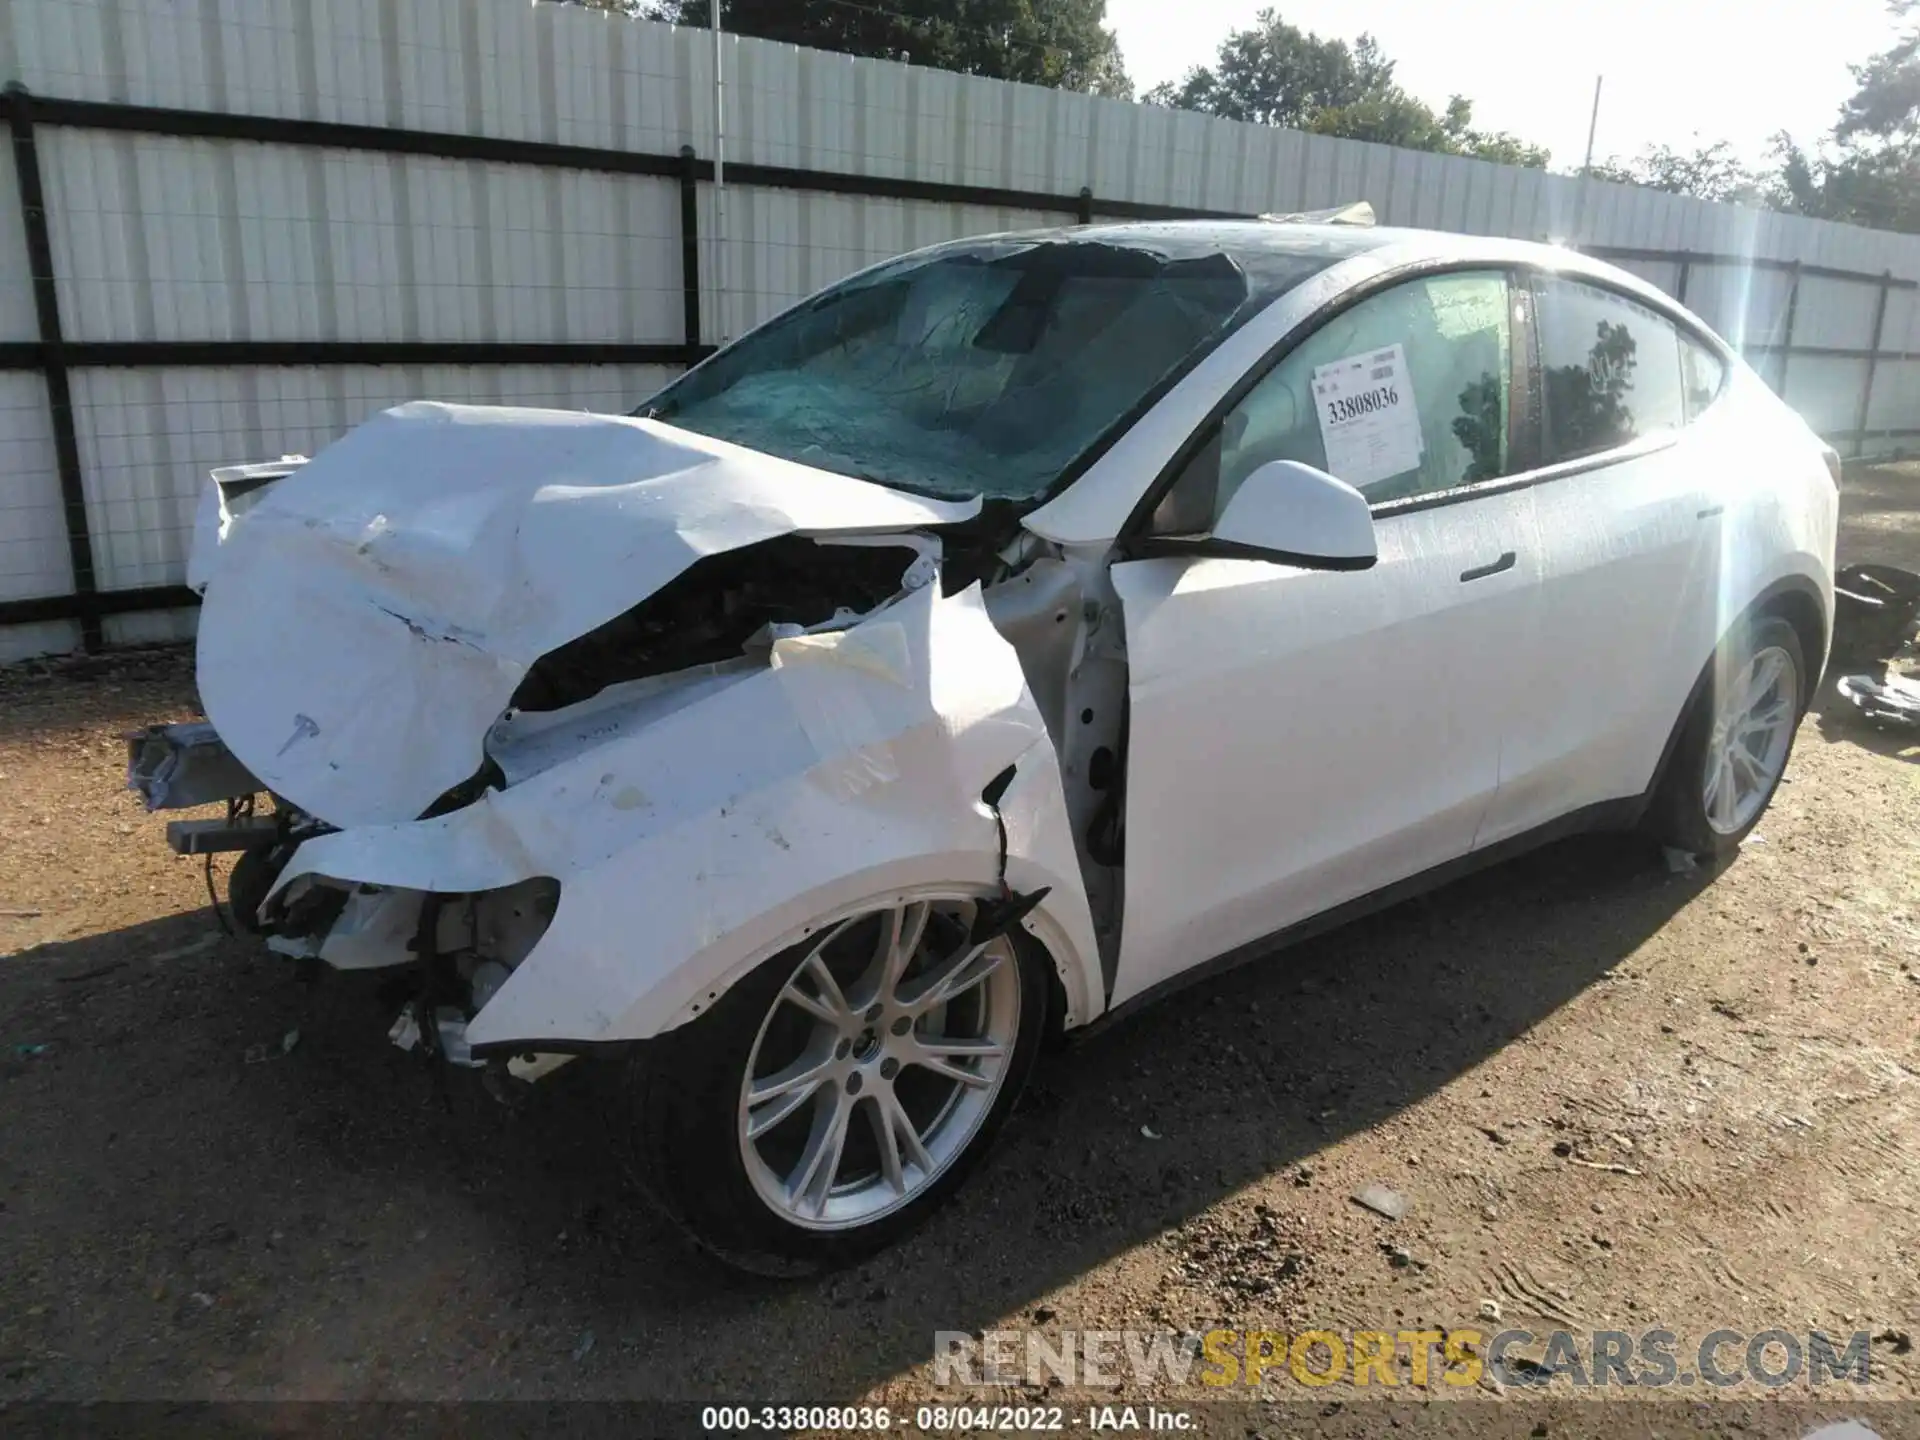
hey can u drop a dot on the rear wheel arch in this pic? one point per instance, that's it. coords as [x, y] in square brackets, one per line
[1794, 599]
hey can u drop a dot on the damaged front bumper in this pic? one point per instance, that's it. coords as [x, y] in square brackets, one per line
[650, 846]
[694, 825]
[380, 639]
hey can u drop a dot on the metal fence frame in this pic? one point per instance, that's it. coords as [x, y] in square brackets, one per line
[55, 358]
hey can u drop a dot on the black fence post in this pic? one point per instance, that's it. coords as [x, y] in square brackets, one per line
[53, 359]
[1085, 209]
[690, 251]
[1786, 340]
[1873, 363]
[1686, 273]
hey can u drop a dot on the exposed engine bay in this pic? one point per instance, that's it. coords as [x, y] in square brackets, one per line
[713, 611]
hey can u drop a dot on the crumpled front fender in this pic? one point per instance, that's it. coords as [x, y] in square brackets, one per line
[693, 847]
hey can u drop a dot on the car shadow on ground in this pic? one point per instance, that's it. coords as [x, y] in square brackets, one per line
[286, 1198]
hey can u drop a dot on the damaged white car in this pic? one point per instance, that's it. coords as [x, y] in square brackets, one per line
[1002, 637]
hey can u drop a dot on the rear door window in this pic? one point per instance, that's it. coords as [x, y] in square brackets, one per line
[1610, 370]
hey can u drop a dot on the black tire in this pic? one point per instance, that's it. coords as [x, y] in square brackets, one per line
[1678, 815]
[683, 1091]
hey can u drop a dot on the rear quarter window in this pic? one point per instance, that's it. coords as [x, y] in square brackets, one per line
[1702, 372]
[1610, 369]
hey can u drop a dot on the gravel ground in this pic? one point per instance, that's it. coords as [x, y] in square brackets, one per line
[1612, 1096]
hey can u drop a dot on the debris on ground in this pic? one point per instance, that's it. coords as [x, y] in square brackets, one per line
[93, 974]
[1679, 862]
[1874, 610]
[192, 947]
[1382, 1201]
[1893, 701]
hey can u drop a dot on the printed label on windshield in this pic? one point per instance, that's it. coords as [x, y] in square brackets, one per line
[1368, 420]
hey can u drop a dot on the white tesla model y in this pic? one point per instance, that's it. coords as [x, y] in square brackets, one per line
[1001, 637]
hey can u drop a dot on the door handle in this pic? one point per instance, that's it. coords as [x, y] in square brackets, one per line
[1480, 572]
[1709, 512]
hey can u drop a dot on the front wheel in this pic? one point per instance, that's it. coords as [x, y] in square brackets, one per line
[1735, 742]
[829, 1102]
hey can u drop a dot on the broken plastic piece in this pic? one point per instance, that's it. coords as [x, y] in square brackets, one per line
[175, 767]
[1360, 212]
[451, 1026]
[1382, 1201]
[1894, 701]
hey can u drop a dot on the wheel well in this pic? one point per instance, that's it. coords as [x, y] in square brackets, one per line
[1792, 601]
[1055, 1032]
[1801, 610]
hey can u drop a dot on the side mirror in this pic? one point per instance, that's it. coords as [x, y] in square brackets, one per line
[1295, 514]
[1291, 514]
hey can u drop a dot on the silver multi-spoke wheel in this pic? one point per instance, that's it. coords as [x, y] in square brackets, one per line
[877, 1062]
[1752, 733]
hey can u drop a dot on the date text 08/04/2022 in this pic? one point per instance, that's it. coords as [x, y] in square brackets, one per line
[940, 1419]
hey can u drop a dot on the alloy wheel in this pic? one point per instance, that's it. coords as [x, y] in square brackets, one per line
[1752, 733]
[877, 1062]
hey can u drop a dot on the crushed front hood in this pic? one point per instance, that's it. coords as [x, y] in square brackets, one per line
[379, 606]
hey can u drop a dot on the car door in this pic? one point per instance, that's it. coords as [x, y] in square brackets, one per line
[1299, 737]
[1629, 516]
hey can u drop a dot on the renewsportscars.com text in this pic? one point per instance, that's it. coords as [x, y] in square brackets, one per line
[1644, 1359]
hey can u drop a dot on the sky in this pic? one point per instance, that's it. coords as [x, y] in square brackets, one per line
[1677, 72]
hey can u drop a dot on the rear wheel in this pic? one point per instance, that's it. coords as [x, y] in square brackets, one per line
[1736, 740]
[834, 1098]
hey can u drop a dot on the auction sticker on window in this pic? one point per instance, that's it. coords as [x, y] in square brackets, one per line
[1367, 416]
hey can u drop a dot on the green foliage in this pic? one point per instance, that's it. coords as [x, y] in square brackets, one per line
[1869, 172]
[1062, 43]
[1709, 172]
[1278, 74]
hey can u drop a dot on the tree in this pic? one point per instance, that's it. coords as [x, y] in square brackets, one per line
[1709, 172]
[1869, 171]
[1393, 117]
[1278, 74]
[1885, 104]
[1061, 43]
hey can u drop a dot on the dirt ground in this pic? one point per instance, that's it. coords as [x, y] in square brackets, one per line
[1612, 1096]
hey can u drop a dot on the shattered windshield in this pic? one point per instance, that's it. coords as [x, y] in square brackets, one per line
[980, 369]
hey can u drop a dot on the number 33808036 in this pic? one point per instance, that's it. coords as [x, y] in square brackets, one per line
[1367, 402]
